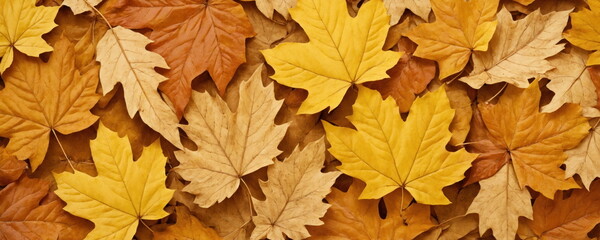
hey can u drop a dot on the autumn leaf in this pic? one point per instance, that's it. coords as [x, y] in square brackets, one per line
[187, 227]
[231, 144]
[349, 218]
[584, 159]
[81, 6]
[397, 7]
[534, 142]
[566, 218]
[584, 33]
[124, 192]
[571, 83]
[500, 203]
[451, 38]
[281, 6]
[518, 49]
[27, 211]
[388, 153]
[408, 77]
[40, 98]
[124, 59]
[23, 25]
[10, 168]
[342, 51]
[294, 192]
[193, 37]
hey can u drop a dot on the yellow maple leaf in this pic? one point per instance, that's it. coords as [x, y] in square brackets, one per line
[461, 26]
[123, 193]
[388, 153]
[42, 97]
[22, 25]
[342, 51]
[584, 33]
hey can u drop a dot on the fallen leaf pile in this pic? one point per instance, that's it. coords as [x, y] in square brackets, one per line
[299, 119]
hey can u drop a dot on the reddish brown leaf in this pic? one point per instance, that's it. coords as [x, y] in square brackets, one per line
[28, 212]
[409, 77]
[570, 218]
[10, 168]
[193, 37]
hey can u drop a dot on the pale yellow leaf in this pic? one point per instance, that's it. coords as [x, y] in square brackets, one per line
[500, 203]
[231, 144]
[124, 59]
[518, 49]
[294, 192]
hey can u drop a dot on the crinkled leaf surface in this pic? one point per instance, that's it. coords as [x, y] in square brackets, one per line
[187, 227]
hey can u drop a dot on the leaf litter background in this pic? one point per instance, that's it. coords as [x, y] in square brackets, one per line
[380, 119]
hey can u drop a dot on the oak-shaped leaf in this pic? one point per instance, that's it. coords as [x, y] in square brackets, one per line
[231, 143]
[41, 97]
[124, 192]
[193, 36]
[387, 152]
[294, 194]
[124, 59]
[342, 51]
[514, 130]
[460, 28]
[23, 25]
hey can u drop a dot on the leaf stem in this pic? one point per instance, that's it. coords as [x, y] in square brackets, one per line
[498, 93]
[63, 150]
[141, 220]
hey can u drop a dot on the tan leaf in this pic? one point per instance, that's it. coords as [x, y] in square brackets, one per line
[281, 6]
[500, 203]
[518, 49]
[571, 83]
[231, 144]
[397, 7]
[81, 6]
[124, 59]
[294, 194]
[585, 158]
